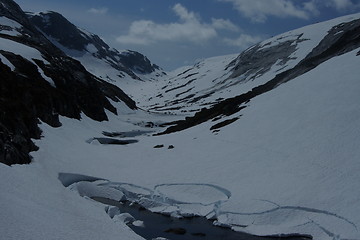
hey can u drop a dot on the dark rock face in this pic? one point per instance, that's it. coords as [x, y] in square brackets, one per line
[258, 60]
[138, 62]
[18, 119]
[113, 141]
[10, 9]
[26, 97]
[66, 33]
[59, 29]
[223, 123]
[159, 146]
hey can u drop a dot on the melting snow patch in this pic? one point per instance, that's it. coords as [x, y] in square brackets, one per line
[125, 218]
[186, 199]
[177, 200]
[5, 61]
[8, 26]
[92, 189]
[91, 48]
[49, 80]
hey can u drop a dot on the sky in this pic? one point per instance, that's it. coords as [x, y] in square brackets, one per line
[174, 33]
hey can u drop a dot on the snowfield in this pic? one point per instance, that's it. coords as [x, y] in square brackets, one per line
[191, 88]
[11, 27]
[289, 165]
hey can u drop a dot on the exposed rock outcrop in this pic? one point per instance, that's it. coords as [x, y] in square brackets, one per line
[42, 88]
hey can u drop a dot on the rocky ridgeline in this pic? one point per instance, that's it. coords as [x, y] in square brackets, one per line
[26, 98]
[57, 28]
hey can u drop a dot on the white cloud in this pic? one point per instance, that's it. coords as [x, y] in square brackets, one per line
[99, 11]
[188, 28]
[311, 7]
[259, 10]
[184, 14]
[243, 41]
[224, 24]
[341, 5]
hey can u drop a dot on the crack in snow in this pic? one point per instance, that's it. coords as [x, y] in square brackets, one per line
[329, 233]
[296, 208]
[183, 199]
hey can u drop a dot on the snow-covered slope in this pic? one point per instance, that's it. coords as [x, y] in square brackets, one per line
[186, 89]
[104, 62]
[275, 152]
[290, 163]
[212, 80]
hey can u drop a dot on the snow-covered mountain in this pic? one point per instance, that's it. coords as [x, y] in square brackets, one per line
[209, 81]
[263, 68]
[263, 142]
[104, 62]
[39, 82]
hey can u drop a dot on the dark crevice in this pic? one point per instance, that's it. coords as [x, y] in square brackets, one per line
[223, 123]
[181, 86]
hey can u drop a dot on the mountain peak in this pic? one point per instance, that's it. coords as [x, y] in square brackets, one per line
[40, 83]
[12, 10]
[56, 26]
[82, 45]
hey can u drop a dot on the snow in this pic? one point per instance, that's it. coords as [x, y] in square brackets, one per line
[101, 69]
[10, 24]
[124, 218]
[296, 171]
[48, 79]
[26, 52]
[91, 48]
[212, 80]
[198, 193]
[91, 190]
[38, 207]
[176, 85]
[297, 176]
[306, 148]
[289, 165]
[5, 61]
[138, 223]
[98, 67]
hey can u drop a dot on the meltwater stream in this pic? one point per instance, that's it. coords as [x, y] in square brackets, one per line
[160, 226]
[130, 203]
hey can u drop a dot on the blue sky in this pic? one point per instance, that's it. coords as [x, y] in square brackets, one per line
[173, 33]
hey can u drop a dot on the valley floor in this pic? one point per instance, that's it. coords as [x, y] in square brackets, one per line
[289, 165]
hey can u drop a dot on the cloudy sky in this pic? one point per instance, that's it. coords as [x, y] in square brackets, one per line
[173, 33]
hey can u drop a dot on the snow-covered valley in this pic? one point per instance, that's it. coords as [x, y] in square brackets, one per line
[285, 163]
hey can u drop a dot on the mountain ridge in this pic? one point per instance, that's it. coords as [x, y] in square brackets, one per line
[341, 39]
[192, 88]
[67, 88]
[76, 43]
